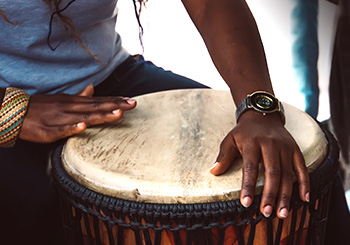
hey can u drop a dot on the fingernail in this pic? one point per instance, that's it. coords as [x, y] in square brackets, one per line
[246, 201]
[307, 196]
[115, 112]
[284, 213]
[80, 125]
[267, 211]
[215, 164]
[130, 101]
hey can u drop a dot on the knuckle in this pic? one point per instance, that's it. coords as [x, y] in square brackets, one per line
[51, 117]
[305, 182]
[86, 115]
[303, 167]
[270, 197]
[249, 143]
[95, 105]
[222, 156]
[248, 186]
[223, 144]
[271, 141]
[249, 167]
[63, 131]
[48, 136]
[273, 172]
[228, 141]
[284, 198]
[288, 175]
[118, 101]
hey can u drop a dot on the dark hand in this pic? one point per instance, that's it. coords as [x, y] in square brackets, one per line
[53, 117]
[259, 138]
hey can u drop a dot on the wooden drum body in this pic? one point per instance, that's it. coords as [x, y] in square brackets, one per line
[145, 179]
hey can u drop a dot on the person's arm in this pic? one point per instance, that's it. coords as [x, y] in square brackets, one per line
[233, 41]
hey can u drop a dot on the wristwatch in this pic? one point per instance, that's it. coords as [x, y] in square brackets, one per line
[263, 102]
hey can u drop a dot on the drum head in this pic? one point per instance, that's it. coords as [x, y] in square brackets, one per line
[161, 151]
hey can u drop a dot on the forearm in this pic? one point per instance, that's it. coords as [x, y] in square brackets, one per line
[233, 41]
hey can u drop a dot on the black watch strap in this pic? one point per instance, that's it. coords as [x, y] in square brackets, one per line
[261, 101]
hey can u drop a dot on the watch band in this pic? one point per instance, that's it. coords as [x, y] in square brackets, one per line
[261, 101]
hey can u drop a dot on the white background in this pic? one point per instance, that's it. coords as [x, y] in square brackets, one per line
[172, 42]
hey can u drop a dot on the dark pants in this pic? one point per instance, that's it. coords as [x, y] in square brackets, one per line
[29, 211]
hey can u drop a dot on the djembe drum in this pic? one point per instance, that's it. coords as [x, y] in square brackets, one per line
[145, 179]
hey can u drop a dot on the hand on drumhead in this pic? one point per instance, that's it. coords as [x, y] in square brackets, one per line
[53, 117]
[263, 139]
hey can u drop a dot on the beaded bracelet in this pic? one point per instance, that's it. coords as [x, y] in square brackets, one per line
[12, 112]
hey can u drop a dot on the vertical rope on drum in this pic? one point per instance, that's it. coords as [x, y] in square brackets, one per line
[97, 230]
[320, 219]
[301, 225]
[240, 236]
[251, 233]
[87, 228]
[176, 236]
[202, 236]
[198, 236]
[69, 227]
[77, 224]
[209, 237]
[326, 210]
[269, 236]
[147, 237]
[120, 240]
[292, 226]
[279, 231]
[74, 225]
[137, 236]
[64, 216]
[109, 233]
[311, 222]
[188, 237]
[221, 235]
[158, 237]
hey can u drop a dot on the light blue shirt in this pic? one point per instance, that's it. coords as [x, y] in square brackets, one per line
[28, 63]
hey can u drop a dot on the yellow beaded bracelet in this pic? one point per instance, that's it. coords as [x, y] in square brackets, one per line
[12, 112]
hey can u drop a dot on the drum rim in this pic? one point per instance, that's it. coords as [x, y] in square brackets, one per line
[92, 202]
[98, 170]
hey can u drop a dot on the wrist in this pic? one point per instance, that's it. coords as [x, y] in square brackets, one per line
[261, 102]
[255, 116]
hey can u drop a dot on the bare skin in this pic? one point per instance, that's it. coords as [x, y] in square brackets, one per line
[53, 117]
[232, 38]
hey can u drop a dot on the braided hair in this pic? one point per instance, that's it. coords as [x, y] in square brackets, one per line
[57, 9]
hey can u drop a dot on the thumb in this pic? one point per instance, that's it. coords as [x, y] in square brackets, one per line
[88, 91]
[228, 153]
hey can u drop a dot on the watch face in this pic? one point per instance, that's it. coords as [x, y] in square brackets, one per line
[264, 102]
